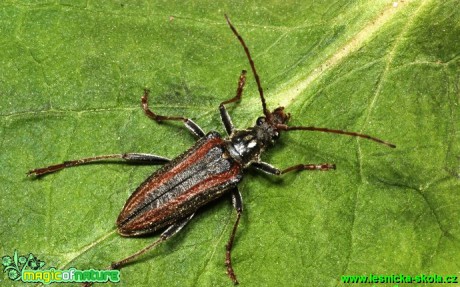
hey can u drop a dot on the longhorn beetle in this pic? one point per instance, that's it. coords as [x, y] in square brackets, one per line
[214, 166]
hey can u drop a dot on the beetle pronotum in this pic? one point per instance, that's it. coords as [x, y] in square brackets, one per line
[169, 198]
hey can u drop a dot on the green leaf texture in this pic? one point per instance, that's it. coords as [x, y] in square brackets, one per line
[72, 74]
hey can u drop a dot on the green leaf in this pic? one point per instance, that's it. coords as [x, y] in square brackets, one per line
[73, 72]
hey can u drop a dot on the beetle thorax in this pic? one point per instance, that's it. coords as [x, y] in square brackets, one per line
[245, 146]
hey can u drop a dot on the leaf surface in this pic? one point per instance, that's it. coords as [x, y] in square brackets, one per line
[72, 76]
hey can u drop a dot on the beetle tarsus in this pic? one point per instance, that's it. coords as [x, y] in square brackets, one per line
[300, 167]
[189, 124]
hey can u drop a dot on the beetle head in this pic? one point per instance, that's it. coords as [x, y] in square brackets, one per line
[271, 123]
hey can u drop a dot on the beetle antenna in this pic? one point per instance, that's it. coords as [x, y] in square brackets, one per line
[326, 130]
[253, 67]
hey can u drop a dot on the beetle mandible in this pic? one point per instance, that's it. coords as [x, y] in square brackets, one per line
[169, 198]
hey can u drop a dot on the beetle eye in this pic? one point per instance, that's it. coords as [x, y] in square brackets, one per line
[260, 121]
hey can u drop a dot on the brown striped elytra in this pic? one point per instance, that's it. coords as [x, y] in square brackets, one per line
[168, 199]
[191, 180]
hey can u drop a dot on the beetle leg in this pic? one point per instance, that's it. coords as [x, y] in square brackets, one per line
[270, 169]
[170, 231]
[226, 119]
[299, 167]
[238, 205]
[129, 157]
[189, 124]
